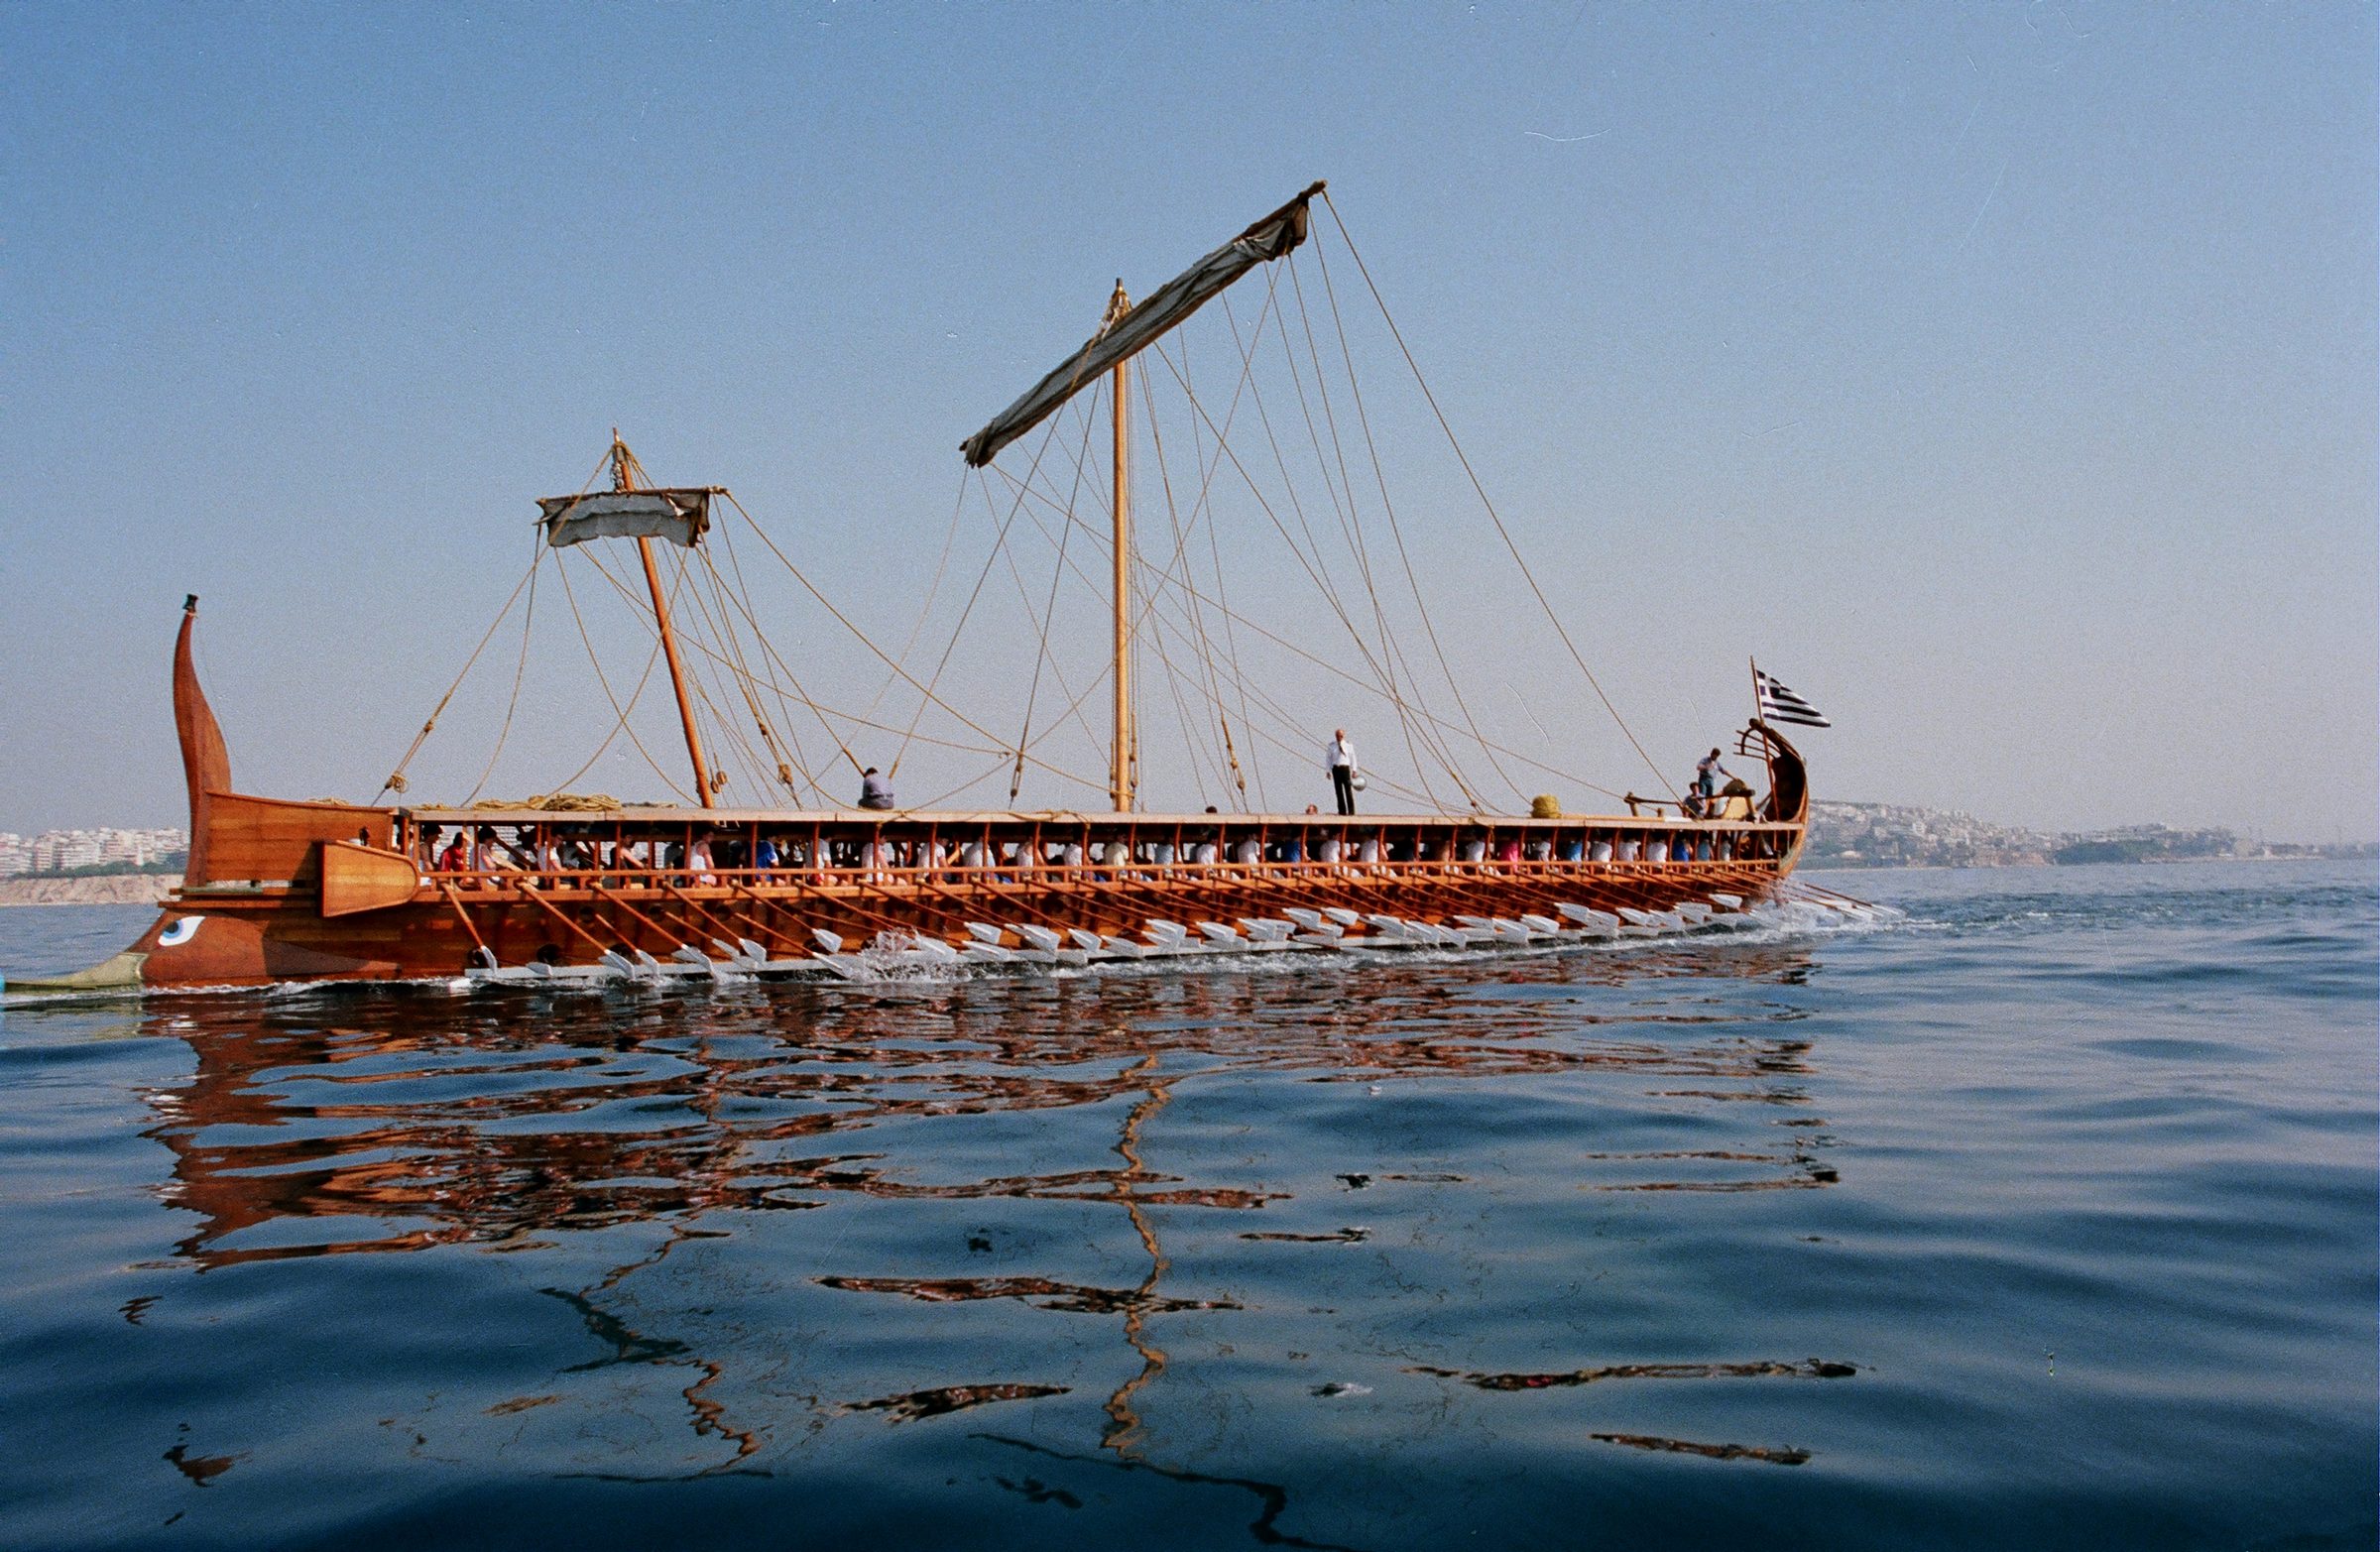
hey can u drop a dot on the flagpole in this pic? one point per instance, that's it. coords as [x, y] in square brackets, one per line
[1767, 754]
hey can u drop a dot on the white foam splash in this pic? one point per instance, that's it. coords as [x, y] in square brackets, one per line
[908, 960]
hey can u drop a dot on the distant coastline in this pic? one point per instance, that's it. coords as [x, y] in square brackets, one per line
[122, 889]
[2368, 851]
[1901, 835]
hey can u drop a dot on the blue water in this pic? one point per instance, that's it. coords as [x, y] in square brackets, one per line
[2045, 1217]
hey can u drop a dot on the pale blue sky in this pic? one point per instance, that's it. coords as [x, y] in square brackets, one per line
[2002, 375]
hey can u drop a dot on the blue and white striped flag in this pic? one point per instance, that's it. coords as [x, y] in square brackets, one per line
[1780, 704]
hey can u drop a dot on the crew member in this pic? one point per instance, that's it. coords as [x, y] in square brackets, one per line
[1338, 755]
[1708, 773]
[875, 792]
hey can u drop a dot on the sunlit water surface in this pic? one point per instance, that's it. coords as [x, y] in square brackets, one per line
[2044, 1217]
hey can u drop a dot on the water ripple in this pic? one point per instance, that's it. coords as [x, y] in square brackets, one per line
[2042, 1214]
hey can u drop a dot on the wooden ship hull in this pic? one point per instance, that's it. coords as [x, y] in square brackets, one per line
[278, 890]
[636, 925]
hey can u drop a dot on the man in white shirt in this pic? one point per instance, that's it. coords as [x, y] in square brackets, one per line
[1338, 755]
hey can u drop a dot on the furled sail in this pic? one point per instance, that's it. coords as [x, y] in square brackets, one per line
[682, 517]
[1141, 326]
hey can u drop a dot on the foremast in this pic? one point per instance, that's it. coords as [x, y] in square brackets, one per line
[625, 477]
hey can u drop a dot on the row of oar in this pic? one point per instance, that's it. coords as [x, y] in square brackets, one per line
[1297, 929]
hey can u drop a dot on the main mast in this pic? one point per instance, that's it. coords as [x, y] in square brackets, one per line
[1125, 331]
[624, 478]
[1120, 768]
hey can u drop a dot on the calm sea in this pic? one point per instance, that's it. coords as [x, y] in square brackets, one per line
[2044, 1217]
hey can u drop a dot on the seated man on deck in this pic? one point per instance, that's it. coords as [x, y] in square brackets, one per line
[498, 853]
[574, 849]
[875, 792]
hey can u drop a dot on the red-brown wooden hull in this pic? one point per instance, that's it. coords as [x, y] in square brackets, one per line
[242, 937]
[280, 890]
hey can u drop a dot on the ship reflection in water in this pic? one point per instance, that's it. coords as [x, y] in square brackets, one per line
[1184, 1226]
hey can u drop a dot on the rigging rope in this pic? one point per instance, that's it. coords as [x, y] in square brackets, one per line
[743, 598]
[1042, 653]
[727, 735]
[1173, 599]
[1231, 638]
[529, 617]
[1405, 724]
[724, 737]
[1351, 528]
[1502, 531]
[822, 710]
[1324, 663]
[1227, 764]
[396, 780]
[862, 637]
[1202, 508]
[998, 539]
[651, 660]
[1386, 687]
[741, 671]
[562, 571]
[768, 649]
[1073, 709]
[933, 589]
[1395, 527]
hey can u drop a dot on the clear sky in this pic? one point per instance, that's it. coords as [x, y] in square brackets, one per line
[2002, 377]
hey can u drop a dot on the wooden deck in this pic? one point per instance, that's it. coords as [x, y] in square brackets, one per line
[662, 882]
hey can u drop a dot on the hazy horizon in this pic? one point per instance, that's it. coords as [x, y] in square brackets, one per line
[2002, 380]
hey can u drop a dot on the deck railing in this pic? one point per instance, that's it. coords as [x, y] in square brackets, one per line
[1010, 875]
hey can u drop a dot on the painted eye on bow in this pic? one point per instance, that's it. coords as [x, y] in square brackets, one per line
[181, 931]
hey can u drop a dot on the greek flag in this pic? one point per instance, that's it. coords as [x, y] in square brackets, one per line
[1780, 704]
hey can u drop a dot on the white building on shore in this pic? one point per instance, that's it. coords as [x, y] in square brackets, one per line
[56, 851]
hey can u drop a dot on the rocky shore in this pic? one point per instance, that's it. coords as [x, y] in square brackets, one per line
[123, 889]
